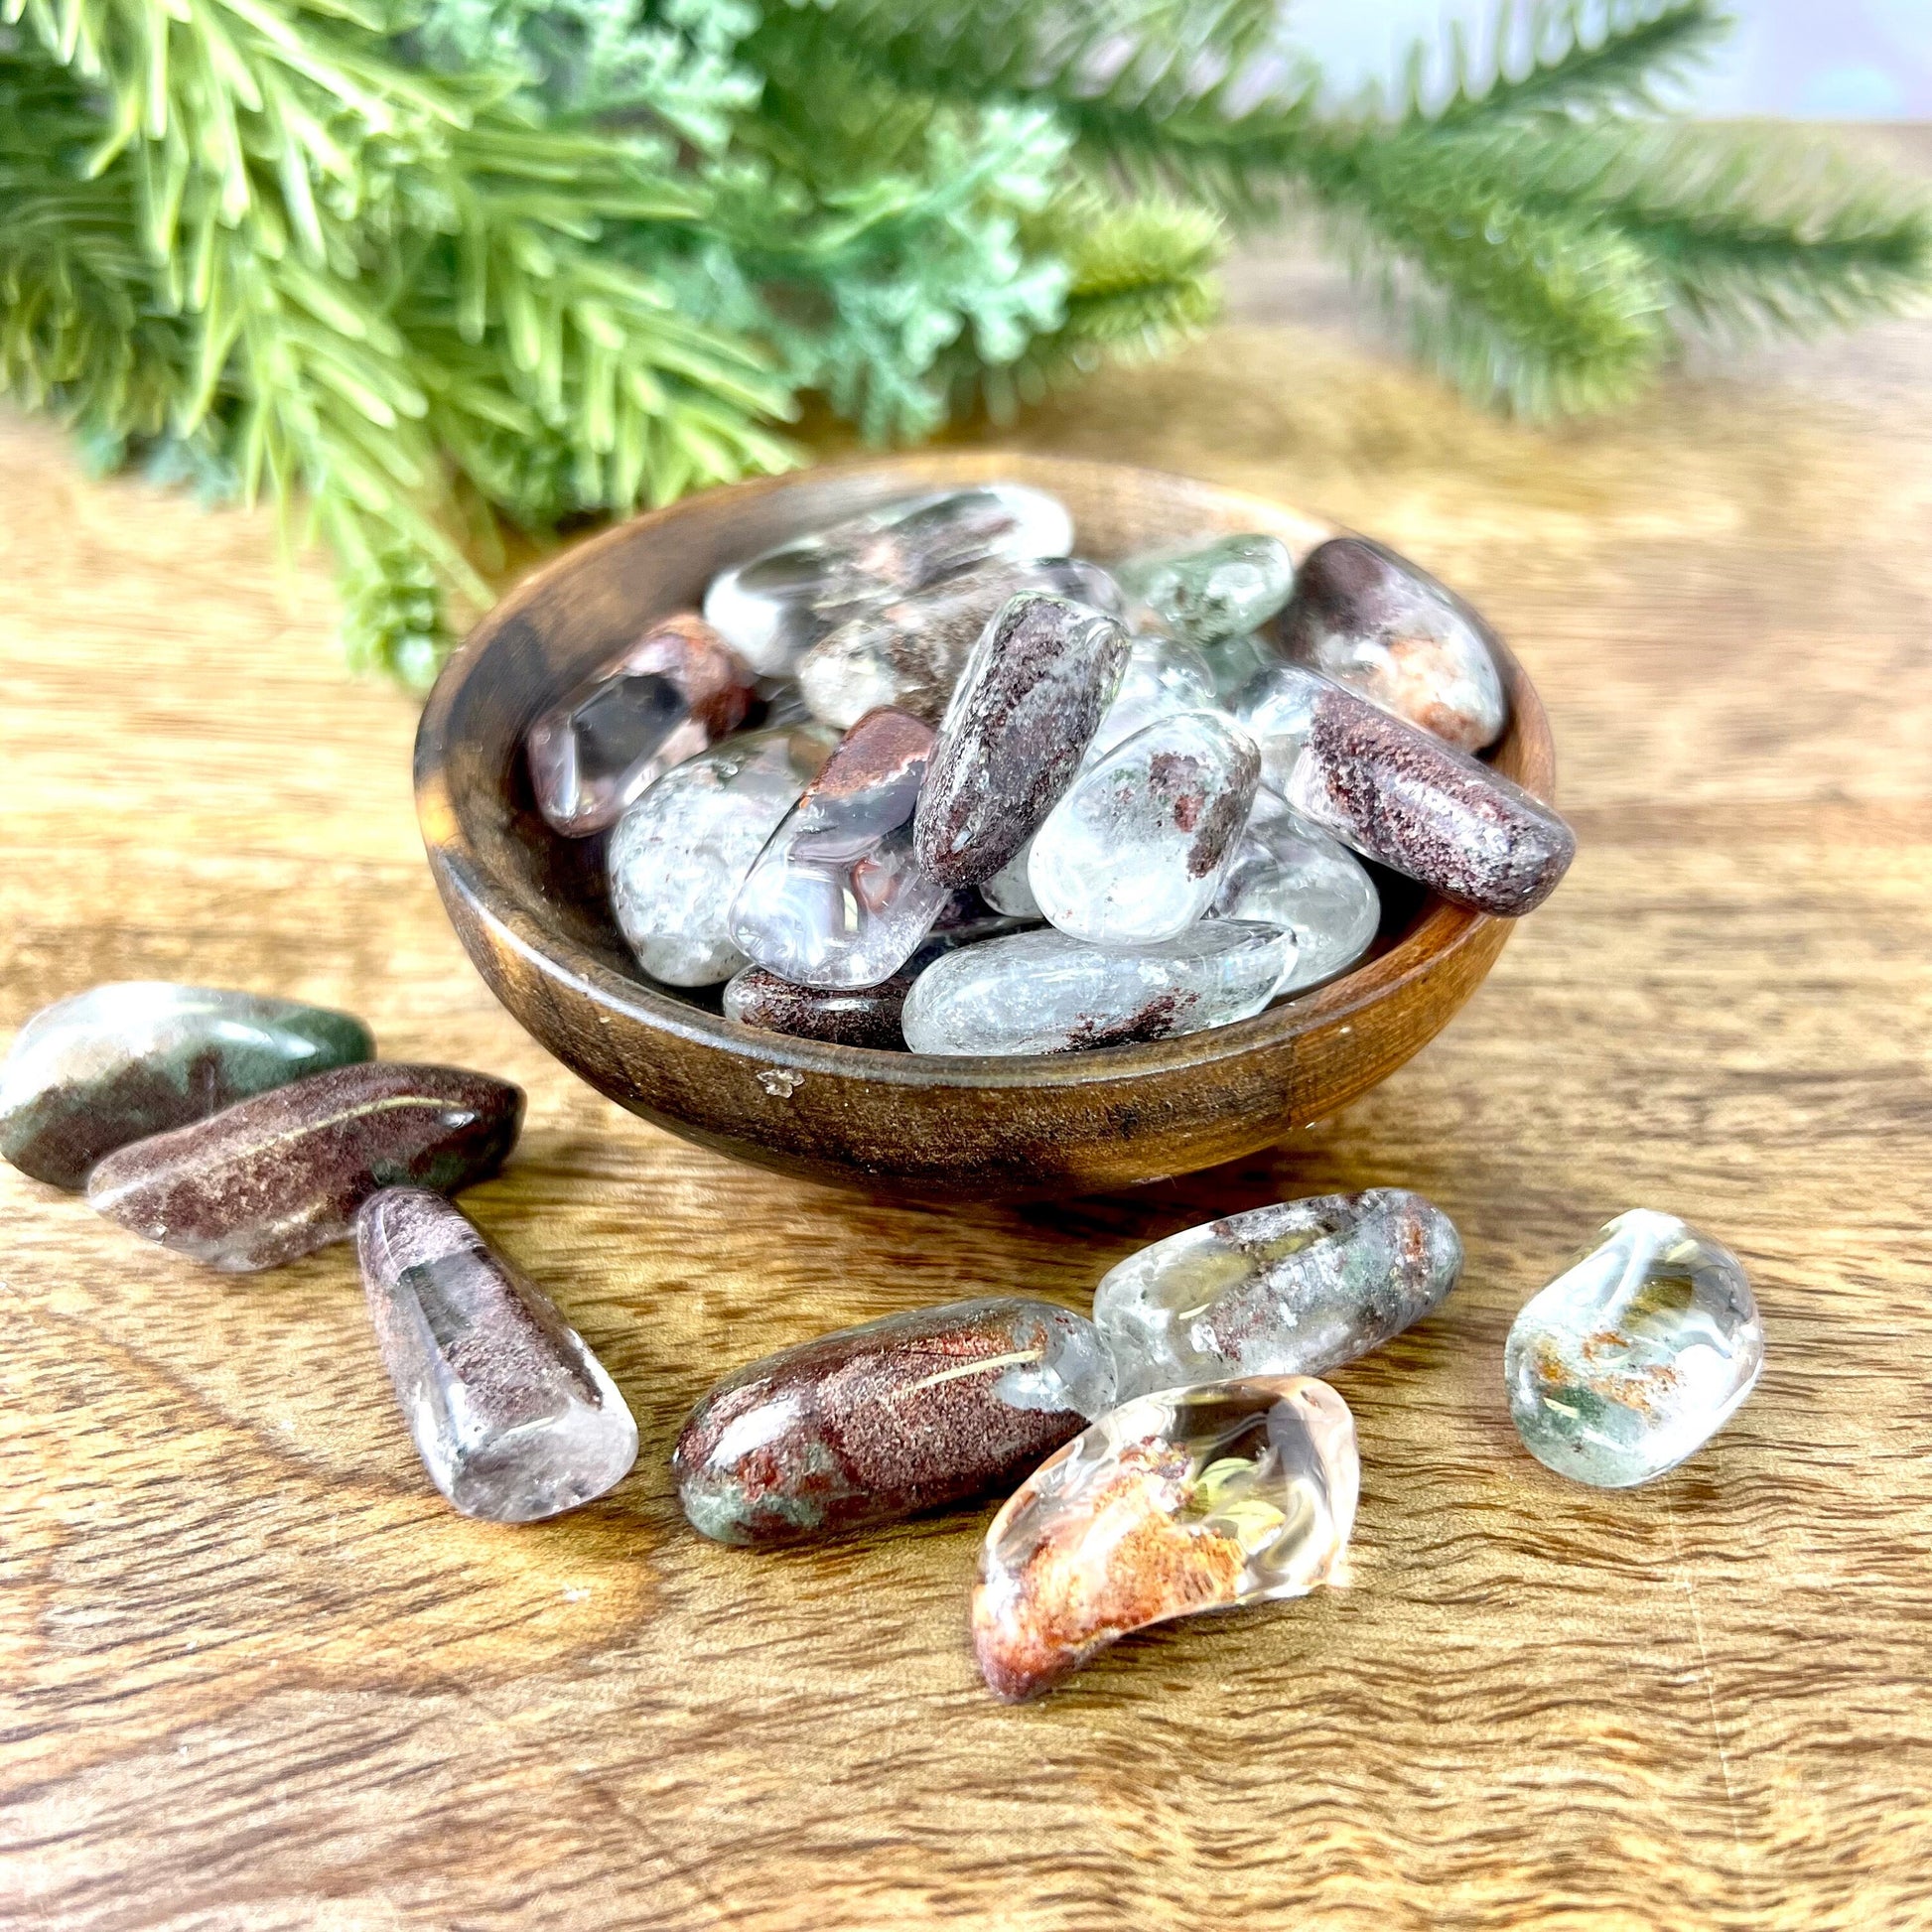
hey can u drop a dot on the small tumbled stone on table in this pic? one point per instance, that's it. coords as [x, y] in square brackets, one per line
[1295, 1288]
[513, 1417]
[1194, 1499]
[283, 1174]
[888, 1419]
[1638, 1356]
[120, 1063]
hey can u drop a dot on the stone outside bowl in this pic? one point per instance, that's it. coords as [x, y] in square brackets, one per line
[530, 906]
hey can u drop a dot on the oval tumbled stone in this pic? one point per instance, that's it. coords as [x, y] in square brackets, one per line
[883, 1421]
[135, 1057]
[278, 1176]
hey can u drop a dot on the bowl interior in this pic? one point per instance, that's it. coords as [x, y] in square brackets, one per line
[546, 893]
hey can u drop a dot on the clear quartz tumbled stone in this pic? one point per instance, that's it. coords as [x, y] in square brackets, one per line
[1295, 1288]
[1636, 1357]
[835, 899]
[1194, 1499]
[1135, 852]
[681, 853]
[1048, 993]
[1214, 592]
[1163, 678]
[512, 1415]
[1292, 874]
[772, 607]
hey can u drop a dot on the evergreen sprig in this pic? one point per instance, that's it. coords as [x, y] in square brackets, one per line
[420, 269]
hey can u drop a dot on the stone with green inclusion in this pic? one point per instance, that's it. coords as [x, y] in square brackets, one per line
[1216, 591]
[1636, 1357]
[133, 1058]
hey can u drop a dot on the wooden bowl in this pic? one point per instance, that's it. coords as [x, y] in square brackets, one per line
[530, 908]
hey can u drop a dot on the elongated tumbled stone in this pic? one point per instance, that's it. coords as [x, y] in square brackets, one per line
[1376, 623]
[512, 1415]
[885, 1420]
[679, 855]
[909, 653]
[1638, 1356]
[663, 699]
[278, 1176]
[1048, 993]
[1213, 593]
[1285, 872]
[836, 898]
[1197, 1499]
[135, 1057]
[1135, 852]
[1025, 710]
[775, 606]
[1297, 1288]
[1401, 796]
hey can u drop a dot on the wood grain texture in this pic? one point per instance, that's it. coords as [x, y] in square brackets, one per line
[531, 910]
[254, 1674]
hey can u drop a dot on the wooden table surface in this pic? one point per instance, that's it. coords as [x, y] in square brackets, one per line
[255, 1674]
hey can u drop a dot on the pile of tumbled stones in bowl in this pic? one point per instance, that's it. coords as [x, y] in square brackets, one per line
[1000, 799]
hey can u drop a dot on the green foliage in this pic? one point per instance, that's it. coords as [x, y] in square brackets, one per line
[418, 269]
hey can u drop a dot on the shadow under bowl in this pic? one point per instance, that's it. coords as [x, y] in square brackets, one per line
[530, 906]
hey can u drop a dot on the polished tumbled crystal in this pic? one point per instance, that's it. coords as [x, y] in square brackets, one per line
[1045, 991]
[1135, 852]
[1163, 678]
[885, 1420]
[1289, 873]
[1213, 592]
[1638, 1356]
[909, 653]
[1025, 708]
[1297, 1288]
[1010, 889]
[775, 606]
[1196, 1499]
[512, 1415]
[835, 899]
[675, 691]
[134, 1057]
[278, 1176]
[1373, 620]
[1400, 795]
[680, 854]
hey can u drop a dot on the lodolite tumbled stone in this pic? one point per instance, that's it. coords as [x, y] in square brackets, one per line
[1295, 1288]
[1287, 872]
[512, 1415]
[1213, 593]
[136, 1057]
[1196, 1499]
[888, 1419]
[1025, 708]
[283, 1174]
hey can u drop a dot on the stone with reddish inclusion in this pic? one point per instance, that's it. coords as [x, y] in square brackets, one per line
[909, 653]
[1196, 1499]
[1211, 594]
[512, 1415]
[285, 1173]
[671, 695]
[1135, 852]
[1025, 708]
[1050, 992]
[1638, 1356]
[679, 855]
[1295, 1288]
[1374, 622]
[1163, 678]
[773, 607]
[835, 899]
[1399, 796]
[889, 1420]
[860, 1015]
[136, 1057]
[1289, 873]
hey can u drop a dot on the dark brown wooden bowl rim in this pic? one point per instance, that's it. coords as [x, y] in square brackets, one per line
[1525, 754]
